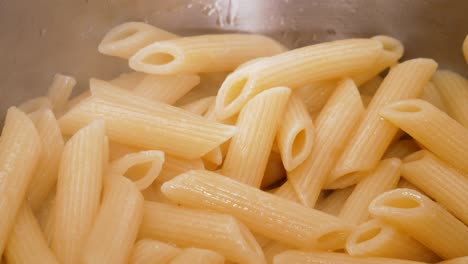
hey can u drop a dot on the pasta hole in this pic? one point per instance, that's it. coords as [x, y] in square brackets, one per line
[234, 91]
[159, 58]
[368, 234]
[138, 171]
[124, 34]
[299, 143]
[402, 203]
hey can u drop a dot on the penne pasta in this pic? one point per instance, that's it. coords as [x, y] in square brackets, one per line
[60, 91]
[208, 86]
[141, 167]
[374, 134]
[188, 227]
[45, 175]
[334, 125]
[295, 69]
[315, 96]
[198, 256]
[117, 151]
[35, 104]
[274, 171]
[266, 214]
[461, 260]
[408, 185]
[383, 178]
[20, 147]
[205, 53]
[166, 88]
[439, 181]
[300, 257]
[111, 238]
[432, 128]
[257, 125]
[199, 106]
[432, 95]
[401, 149]
[128, 80]
[296, 134]
[453, 90]
[378, 239]
[286, 191]
[26, 243]
[146, 124]
[78, 191]
[392, 51]
[273, 249]
[126, 39]
[148, 251]
[424, 220]
[174, 166]
[333, 203]
[214, 157]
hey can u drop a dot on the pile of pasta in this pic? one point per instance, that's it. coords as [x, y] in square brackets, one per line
[230, 148]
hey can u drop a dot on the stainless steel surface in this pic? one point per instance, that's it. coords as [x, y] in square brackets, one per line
[41, 37]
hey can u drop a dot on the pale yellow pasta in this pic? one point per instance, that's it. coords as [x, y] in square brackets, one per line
[214, 157]
[174, 166]
[453, 89]
[286, 191]
[424, 220]
[295, 69]
[146, 124]
[26, 243]
[166, 88]
[370, 87]
[128, 80]
[401, 149]
[272, 249]
[79, 187]
[117, 151]
[198, 256]
[366, 99]
[462, 260]
[315, 96]
[147, 251]
[48, 226]
[391, 53]
[116, 225]
[383, 178]
[141, 167]
[77, 99]
[208, 86]
[439, 181]
[257, 125]
[274, 171]
[408, 185]
[300, 257]
[334, 125]
[153, 194]
[374, 134]
[20, 148]
[126, 39]
[264, 213]
[433, 96]
[465, 48]
[199, 106]
[45, 175]
[296, 133]
[333, 203]
[35, 104]
[432, 128]
[204, 53]
[188, 227]
[60, 91]
[375, 238]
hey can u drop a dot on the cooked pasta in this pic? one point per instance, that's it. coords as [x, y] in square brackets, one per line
[257, 125]
[198, 256]
[433, 96]
[295, 69]
[148, 251]
[35, 104]
[432, 128]
[20, 147]
[333, 203]
[206, 53]
[401, 149]
[424, 220]
[374, 134]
